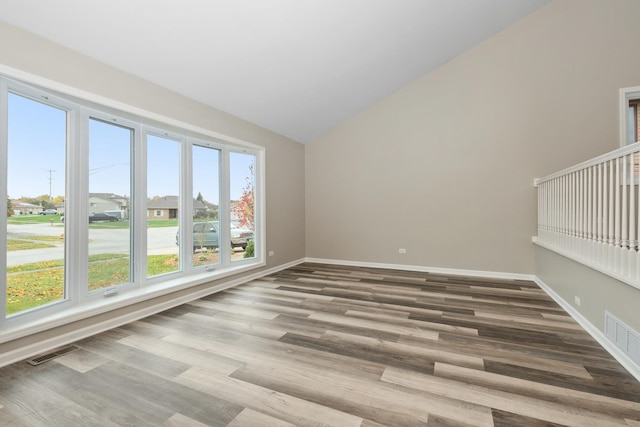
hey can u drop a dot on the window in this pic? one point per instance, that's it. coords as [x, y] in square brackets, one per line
[632, 121]
[206, 202]
[109, 255]
[629, 115]
[242, 189]
[36, 164]
[112, 195]
[163, 188]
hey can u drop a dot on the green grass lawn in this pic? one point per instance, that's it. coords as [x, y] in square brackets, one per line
[35, 219]
[21, 245]
[31, 242]
[35, 284]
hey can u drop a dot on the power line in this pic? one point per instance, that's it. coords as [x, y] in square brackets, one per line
[51, 171]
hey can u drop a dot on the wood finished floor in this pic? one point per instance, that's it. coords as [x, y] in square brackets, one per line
[318, 345]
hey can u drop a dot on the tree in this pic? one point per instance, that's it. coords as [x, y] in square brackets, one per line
[199, 197]
[9, 208]
[245, 208]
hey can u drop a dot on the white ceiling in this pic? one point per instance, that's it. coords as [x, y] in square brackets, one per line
[296, 67]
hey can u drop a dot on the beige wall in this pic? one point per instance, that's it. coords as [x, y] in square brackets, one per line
[597, 292]
[444, 167]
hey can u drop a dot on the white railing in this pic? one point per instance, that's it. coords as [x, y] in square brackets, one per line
[590, 212]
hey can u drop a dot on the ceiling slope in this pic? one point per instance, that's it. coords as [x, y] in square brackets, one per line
[298, 68]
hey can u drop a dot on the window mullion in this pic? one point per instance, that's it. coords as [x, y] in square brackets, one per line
[185, 220]
[76, 206]
[138, 213]
[4, 137]
[225, 209]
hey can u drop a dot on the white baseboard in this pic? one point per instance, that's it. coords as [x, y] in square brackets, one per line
[436, 270]
[598, 335]
[49, 344]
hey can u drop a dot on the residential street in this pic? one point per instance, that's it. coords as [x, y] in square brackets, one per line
[160, 240]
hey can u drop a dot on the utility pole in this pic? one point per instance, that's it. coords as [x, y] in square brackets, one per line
[51, 171]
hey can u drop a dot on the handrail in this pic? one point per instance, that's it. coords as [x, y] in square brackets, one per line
[631, 148]
[590, 212]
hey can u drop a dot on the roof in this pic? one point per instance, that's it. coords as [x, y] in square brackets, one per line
[107, 196]
[171, 202]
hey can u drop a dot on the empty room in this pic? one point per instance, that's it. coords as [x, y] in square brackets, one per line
[320, 213]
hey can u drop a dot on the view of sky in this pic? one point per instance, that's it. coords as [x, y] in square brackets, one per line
[37, 136]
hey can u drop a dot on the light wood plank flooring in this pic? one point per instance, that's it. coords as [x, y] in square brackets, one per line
[319, 345]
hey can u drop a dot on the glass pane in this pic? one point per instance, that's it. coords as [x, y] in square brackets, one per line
[36, 188]
[242, 186]
[206, 199]
[109, 204]
[163, 203]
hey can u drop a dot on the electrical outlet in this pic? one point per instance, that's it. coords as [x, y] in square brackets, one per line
[576, 299]
[402, 251]
[271, 253]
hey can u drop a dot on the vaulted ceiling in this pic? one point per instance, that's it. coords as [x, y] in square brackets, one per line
[296, 67]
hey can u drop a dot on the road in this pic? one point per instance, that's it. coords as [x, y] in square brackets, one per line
[160, 240]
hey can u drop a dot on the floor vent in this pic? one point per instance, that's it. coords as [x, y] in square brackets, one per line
[39, 360]
[625, 338]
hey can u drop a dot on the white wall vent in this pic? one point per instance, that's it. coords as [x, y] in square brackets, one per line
[625, 338]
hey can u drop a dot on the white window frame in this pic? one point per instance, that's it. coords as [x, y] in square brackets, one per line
[78, 305]
[626, 94]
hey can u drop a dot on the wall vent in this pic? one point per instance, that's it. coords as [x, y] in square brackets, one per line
[625, 338]
[38, 360]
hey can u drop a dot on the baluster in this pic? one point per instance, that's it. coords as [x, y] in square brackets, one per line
[636, 244]
[632, 217]
[556, 210]
[599, 233]
[579, 204]
[589, 204]
[563, 198]
[594, 204]
[546, 208]
[605, 210]
[584, 209]
[599, 206]
[572, 205]
[617, 205]
[593, 209]
[625, 236]
[612, 215]
[625, 214]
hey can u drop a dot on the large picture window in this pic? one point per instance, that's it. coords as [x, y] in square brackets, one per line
[35, 245]
[96, 204]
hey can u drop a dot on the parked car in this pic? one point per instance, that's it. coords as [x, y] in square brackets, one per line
[102, 217]
[206, 235]
[49, 212]
[240, 236]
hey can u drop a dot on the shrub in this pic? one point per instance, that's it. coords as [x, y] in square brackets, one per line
[249, 252]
